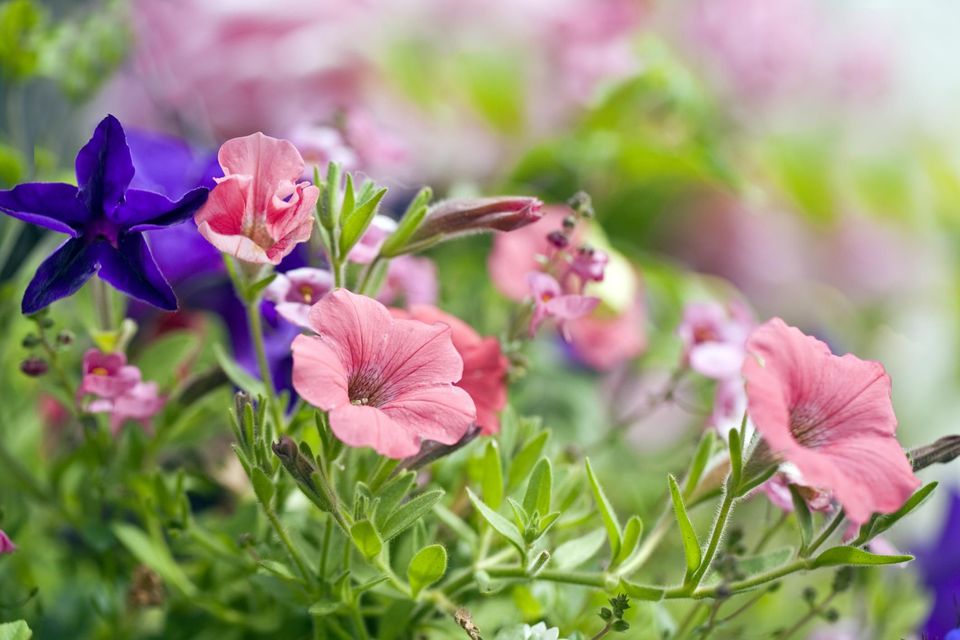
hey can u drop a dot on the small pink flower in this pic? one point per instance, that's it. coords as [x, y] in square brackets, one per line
[258, 211]
[320, 146]
[550, 302]
[373, 238]
[295, 291]
[411, 279]
[589, 264]
[107, 374]
[387, 383]
[714, 338]
[520, 251]
[140, 403]
[830, 417]
[484, 365]
[6, 544]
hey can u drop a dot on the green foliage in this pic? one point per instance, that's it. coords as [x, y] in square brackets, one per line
[15, 631]
[426, 567]
[691, 545]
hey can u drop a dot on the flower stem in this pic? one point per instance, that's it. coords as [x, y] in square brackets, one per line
[256, 334]
[824, 535]
[103, 302]
[719, 525]
[287, 542]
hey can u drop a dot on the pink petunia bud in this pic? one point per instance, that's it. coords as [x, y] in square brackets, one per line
[459, 216]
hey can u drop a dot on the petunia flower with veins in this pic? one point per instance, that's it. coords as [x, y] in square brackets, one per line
[104, 219]
[295, 291]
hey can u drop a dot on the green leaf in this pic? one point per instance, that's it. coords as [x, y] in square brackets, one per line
[15, 631]
[500, 524]
[349, 199]
[237, 375]
[691, 546]
[409, 513]
[391, 494]
[539, 489]
[324, 608]
[523, 462]
[366, 538]
[839, 556]
[262, 485]
[330, 204]
[409, 223]
[736, 459]
[880, 523]
[642, 592]
[804, 519]
[573, 553]
[491, 485]
[255, 289]
[426, 567]
[700, 459]
[606, 512]
[631, 538]
[155, 555]
[356, 224]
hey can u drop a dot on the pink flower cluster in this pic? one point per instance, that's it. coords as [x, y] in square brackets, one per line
[116, 388]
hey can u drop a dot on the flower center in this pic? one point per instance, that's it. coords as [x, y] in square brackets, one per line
[367, 388]
[306, 292]
[99, 371]
[805, 425]
[547, 296]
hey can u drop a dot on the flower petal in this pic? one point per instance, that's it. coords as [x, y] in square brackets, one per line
[717, 360]
[131, 269]
[61, 274]
[53, 206]
[355, 327]
[104, 167]
[270, 161]
[145, 210]
[442, 413]
[359, 426]
[318, 373]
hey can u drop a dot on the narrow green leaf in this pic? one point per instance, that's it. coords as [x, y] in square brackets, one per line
[632, 533]
[609, 516]
[699, 463]
[237, 375]
[539, 489]
[804, 519]
[736, 459]
[839, 556]
[642, 592]
[15, 631]
[880, 523]
[366, 538]
[391, 494]
[523, 462]
[155, 555]
[262, 485]
[500, 524]
[491, 484]
[691, 546]
[573, 553]
[409, 223]
[409, 513]
[358, 222]
[330, 209]
[426, 567]
[349, 200]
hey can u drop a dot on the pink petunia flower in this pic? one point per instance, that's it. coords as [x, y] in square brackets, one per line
[258, 211]
[484, 365]
[829, 416]
[373, 238]
[141, 404]
[714, 338]
[412, 279]
[106, 375]
[295, 291]
[386, 383]
[6, 544]
[551, 302]
[603, 342]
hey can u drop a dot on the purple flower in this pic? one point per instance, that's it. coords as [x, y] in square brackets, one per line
[104, 219]
[940, 566]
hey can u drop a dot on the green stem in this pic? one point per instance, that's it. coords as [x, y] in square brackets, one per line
[719, 525]
[824, 535]
[366, 278]
[810, 615]
[103, 302]
[287, 542]
[769, 533]
[747, 584]
[256, 334]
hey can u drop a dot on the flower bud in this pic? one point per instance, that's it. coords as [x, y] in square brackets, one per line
[942, 451]
[34, 366]
[558, 239]
[65, 338]
[30, 341]
[459, 216]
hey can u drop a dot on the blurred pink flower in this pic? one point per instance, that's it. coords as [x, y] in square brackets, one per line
[387, 383]
[410, 279]
[589, 264]
[373, 238]
[321, 145]
[258, 211]
[106, 375]
[523, 251]
[714, 338]
[484, 365]
[550, 301]
[605, 341]
[6, 544]
[295, 291]
[140, 403]
[831, 417]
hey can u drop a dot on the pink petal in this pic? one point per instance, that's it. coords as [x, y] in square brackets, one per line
[225, 208]
[360, 426]
[542, 285]
[318, 373]
[239, 246]
[271, 162]
[418, 353]
[443, 413]
[111, 386]
[717, 360]
[571, 307]
[605, 343]
[356, 328]
[296, 313]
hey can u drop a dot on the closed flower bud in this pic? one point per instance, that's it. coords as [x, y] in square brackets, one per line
[558, 239]
[65, 338]
[460, 216]
[30, 341]
[34, 366]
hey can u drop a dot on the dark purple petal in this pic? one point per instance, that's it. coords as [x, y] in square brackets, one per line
[145, 210]
[131, 269]
[104, 168]
[61, 274]
[51, 205]
[168, 165]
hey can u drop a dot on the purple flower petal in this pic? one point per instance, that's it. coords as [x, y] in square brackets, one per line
[145, 210]
[104, 168]
[61, 275]
[168, 165]
[131, 269]
[53, 206]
